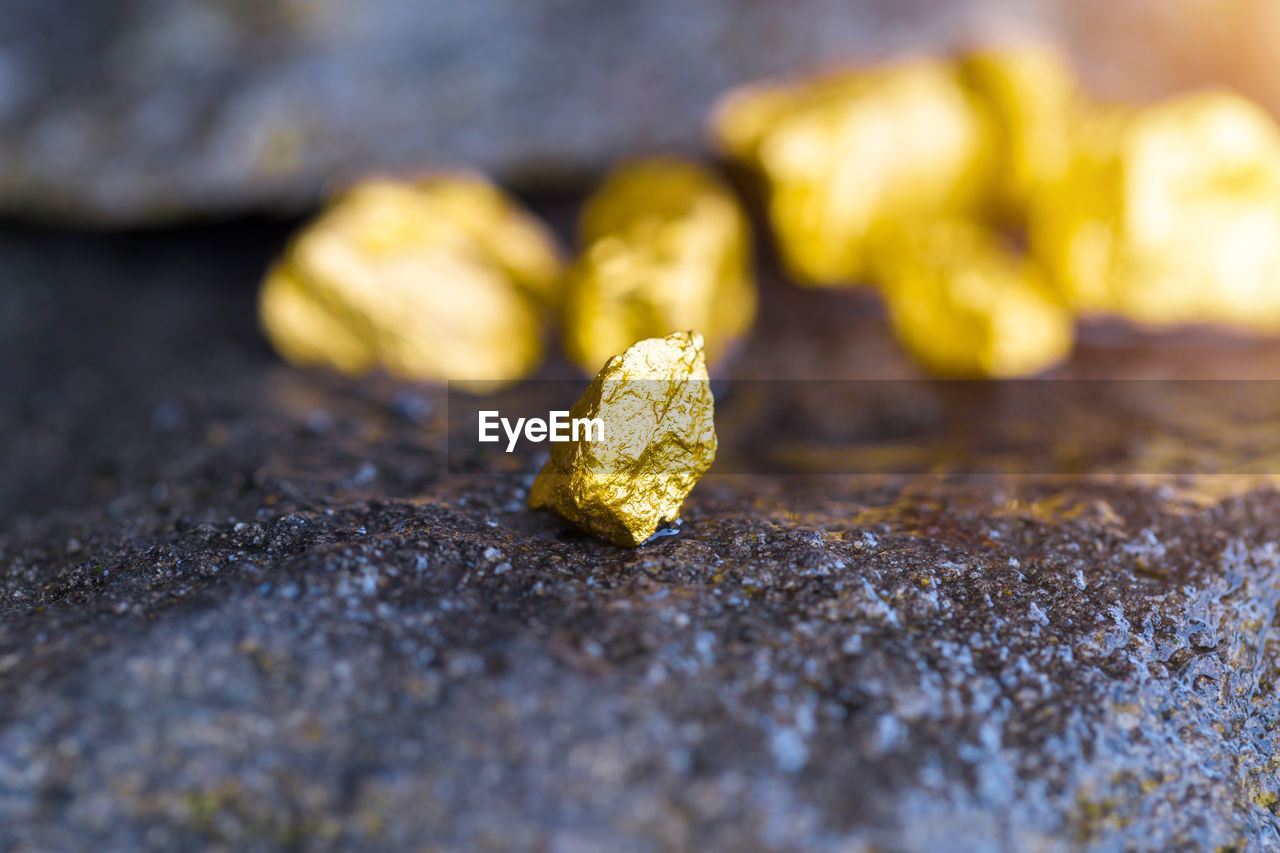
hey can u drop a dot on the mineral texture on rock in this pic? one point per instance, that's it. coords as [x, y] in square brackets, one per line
[245, 606]
[665, 246]
[659, 438]
[440, 279]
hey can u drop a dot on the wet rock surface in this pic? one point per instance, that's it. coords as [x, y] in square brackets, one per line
[245, 606]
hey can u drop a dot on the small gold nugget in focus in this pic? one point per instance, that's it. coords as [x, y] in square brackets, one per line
[966, 306]
[444, 278]
[665, 247]
[845, 156]
[659, 439]
[1169, 214]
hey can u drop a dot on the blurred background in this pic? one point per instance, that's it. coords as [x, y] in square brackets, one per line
[146, 111]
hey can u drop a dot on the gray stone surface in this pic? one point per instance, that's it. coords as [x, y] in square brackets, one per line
[142, 110]
[245, 607]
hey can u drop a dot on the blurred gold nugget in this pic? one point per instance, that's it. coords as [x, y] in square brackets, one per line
[666, 246]
[965, 305]
[659, 439]
[1169, 214]
[512, 237]
[1030, 94]
[443, 278]
[847, 155]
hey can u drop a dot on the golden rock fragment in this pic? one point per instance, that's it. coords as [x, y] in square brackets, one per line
[848, 155]
[966, 306]
[1031, 95]
[440, 279]
[665, 247]
[503, 231]
[659, 438]
[1169, 214]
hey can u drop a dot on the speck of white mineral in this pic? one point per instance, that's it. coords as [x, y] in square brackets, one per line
[789, 750]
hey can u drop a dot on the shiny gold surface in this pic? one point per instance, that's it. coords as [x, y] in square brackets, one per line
[659, 439]
[965, 305]
[848, 155]
[665, 247]
[1169, 214]
[443, 279]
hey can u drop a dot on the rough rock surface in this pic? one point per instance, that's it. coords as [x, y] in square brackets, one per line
[243, 606]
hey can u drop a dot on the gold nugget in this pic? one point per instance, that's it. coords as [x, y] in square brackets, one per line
[845, 156]
[665, 247]
[659, 439]
[965, 305]
[1031, 94]
[1169, 214]
[506, 233]
[440, 279]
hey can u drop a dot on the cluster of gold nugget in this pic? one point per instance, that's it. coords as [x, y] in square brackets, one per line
[447, 279]
[987, 198]
[922, 177]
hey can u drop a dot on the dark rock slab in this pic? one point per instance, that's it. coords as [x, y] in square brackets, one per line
[244, 606]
